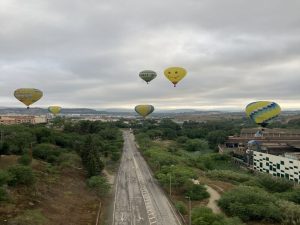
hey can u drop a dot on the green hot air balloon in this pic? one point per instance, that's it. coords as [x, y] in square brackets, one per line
[147, 75]
[144, 110]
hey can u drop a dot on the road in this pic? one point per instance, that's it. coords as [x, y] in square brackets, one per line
[138, 198]
[214, 197]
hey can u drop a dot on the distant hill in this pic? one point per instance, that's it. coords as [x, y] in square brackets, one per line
[43, 111]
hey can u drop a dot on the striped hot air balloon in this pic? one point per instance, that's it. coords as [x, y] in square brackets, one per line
[263, 112]
[144, 110]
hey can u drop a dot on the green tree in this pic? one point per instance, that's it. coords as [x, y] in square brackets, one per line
[194, 145]
[21, 175]
[250, 203]
[99, 184]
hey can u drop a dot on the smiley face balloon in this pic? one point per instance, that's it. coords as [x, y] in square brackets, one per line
[175, 74]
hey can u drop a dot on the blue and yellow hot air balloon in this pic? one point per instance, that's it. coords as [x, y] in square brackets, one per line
[28, 96]
[144, 110]
[263, 112]
[175, 74]
[147, 75]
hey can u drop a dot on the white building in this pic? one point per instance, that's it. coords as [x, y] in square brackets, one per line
[279, 166]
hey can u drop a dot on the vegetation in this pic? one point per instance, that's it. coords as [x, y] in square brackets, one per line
[99, 184]
[181, 207]
[182, 153]
[205, 216]
[57, 151]
[20, 175]
[250, 203]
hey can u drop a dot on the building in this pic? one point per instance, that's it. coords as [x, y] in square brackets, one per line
[273, 141]
[20, 119]
[273, 151]
[279, 166]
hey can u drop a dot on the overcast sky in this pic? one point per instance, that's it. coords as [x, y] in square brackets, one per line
[89, 53]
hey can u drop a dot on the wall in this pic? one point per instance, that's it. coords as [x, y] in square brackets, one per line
[277, 166]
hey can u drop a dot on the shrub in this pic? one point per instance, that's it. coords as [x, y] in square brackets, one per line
[205, 216]
[293, 196]
[4, 177]
[99, 184]
[228, 175]
[290, 213]
[274, 184]
[29, 217]
[21, 175]
[25, 160]
[181, 207]
[3, 195]
[69, 160]
[46, 152]
[250, 203]
[196, 192]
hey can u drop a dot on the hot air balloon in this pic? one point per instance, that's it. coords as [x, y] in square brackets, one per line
[144, 110]
[175, 74]
[263, 112]
[147, 75]
[54, 110]
[28, 96]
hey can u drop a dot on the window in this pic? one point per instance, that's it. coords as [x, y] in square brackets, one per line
[278, 174]
[267, 164]
[282, 162]
[260, 164]
[278, 166]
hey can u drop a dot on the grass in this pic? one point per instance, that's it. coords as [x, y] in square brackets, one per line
[30, 217]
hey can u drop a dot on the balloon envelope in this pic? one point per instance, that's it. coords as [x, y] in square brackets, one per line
[147, 75]
[28, 95]
[144, 110]
[175, 74]
[54, 110]
[263, 112]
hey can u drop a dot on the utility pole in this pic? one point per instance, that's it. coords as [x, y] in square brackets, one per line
[190, 209]
[171, 181]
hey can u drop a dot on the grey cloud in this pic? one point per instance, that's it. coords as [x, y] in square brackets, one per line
[89, 53]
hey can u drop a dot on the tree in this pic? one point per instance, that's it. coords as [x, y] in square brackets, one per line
[21, 175]
[194, 145]
[99, 184]
[250, 203]
[216, 137]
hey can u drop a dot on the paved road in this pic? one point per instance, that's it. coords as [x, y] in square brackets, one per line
[138, 198]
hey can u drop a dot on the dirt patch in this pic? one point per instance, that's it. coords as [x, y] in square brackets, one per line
[7, 161]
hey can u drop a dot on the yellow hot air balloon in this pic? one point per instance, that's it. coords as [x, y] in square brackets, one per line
[263, 112]
[175, 74]
[28, 95]
[54, 110]
[144, 110]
